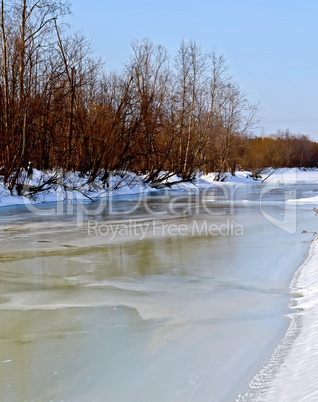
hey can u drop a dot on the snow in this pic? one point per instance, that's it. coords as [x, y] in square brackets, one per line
[296, 378]
[303, 201]
[290, 175]
[6, 199]
[71, 187]
[74, 188]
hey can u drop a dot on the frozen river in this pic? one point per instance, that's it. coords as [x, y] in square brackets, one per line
[181, 298]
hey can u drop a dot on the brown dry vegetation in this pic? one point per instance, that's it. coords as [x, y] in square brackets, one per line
[58, 107]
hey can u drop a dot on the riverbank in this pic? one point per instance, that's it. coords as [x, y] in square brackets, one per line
[297, 378]
[75, 188]
[290, 374]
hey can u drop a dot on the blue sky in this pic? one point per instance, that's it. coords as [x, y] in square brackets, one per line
[271, 47]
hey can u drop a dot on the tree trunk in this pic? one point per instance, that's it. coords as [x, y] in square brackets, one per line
[5, 71]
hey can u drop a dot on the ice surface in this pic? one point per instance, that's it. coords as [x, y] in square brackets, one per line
[164, 318]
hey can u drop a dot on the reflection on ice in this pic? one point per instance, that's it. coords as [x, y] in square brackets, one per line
[168, 318]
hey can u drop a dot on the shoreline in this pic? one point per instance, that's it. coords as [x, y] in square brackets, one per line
[302, 360]
[295, 357]
[79, 190]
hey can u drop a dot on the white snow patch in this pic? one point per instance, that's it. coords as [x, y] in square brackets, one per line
[75, 188]
[303, 201]
[291, 373]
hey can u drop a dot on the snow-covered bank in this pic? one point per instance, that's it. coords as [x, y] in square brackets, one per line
[304, 201]
[291, 175]
[67, 186]
[74, 187]
[290, 375]
[297, 378]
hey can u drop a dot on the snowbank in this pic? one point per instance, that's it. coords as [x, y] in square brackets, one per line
[303, 201]
[73, 187]
[292, 175]
[297, 379]
[290, 374]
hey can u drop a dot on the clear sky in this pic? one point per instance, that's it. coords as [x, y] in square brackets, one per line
[271, 46]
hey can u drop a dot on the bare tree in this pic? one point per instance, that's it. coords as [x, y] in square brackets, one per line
[150, 74]
[60, 110]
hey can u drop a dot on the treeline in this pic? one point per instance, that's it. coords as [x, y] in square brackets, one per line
[60, 109]
[282, 149]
